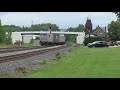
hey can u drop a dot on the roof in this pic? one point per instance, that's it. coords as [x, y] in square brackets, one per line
[102, 28]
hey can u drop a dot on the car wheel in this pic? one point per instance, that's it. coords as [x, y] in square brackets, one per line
[93, 46]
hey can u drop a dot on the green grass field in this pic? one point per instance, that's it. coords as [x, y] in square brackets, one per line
[83, 62]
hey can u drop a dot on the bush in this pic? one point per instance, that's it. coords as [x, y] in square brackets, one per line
[43, 62]
[32, 41]
[58, 56]
[37, 38]
[21, 69]
[92, 39]
[9, 38]
[18, 43]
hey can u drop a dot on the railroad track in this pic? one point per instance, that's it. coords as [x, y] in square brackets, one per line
[7, 50]
[29, 53]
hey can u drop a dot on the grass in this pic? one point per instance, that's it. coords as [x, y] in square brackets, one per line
[83, 62]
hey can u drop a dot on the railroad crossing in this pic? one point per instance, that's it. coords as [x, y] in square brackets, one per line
[29, 34]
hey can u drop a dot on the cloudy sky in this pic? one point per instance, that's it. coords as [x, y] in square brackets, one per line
[62, 19]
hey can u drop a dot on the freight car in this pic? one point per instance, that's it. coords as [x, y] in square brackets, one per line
[52, 39]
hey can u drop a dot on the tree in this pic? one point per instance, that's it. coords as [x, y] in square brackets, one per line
[9, 37]
[36, 27]
[72, 38]
[117, 14]
[11, 27]
[2, 34]
[114, 30]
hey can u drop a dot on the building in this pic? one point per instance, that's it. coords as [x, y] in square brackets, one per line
[101, 32]
[98, 31]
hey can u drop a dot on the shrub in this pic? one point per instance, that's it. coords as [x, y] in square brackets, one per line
[58, 56]
[21, 69]
[43, 62]
[32, 41]
[37, 38]
[18, 43]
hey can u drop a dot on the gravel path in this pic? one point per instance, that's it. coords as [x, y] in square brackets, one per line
[12, 66]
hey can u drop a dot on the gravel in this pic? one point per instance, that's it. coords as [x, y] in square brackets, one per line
[5, 50]
[25, 51]
[12, 67]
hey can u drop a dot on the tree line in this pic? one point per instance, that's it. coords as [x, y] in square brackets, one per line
[36, 27]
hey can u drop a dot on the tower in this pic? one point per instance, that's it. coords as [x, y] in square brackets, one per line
[88, 26]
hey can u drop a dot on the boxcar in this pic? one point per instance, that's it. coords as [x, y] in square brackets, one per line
[52, 39]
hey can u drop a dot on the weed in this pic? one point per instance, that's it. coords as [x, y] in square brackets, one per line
[77, 45]
[21, 69]
[58, 56]
[43, 62]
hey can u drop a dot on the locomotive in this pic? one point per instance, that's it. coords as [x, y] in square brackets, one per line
[52, 39]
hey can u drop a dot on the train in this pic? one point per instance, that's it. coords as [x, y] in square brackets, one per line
[52, 39]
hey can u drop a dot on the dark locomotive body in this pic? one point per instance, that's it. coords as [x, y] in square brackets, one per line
[52, 39]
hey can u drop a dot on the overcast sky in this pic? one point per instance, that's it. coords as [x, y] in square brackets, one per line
[62, 19]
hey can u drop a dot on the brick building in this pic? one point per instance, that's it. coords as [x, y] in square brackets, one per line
[100, 32]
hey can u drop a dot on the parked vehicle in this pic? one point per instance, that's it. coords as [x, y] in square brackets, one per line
[118, 42]
[114, 43]
[98, 44]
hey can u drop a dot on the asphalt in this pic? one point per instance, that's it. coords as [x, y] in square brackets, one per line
[114, 46]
